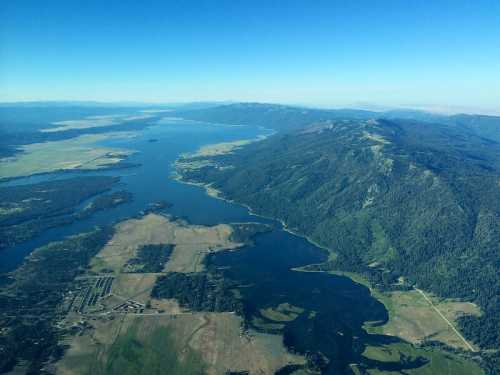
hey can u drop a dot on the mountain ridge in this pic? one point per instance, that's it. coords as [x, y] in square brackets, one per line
[390, 197]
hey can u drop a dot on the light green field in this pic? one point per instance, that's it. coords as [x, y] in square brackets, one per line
[136, 351]
[76, 153]
[93, 122]
[220, 148]
[265, 325]
[284, 312]
[415, 320]
[439, 362]
[190, 161]
[185, 343]
[154, 354]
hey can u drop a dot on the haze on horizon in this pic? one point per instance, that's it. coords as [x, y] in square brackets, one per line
[440, 56]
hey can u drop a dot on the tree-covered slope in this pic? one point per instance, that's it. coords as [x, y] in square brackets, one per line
[390, 197]
[485, 126]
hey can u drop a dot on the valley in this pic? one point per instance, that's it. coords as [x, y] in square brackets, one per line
[213, 246]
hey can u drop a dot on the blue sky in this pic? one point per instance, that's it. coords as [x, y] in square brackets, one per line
[442, 55]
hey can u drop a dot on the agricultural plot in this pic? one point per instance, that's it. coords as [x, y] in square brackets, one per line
[190, 243]
[414, 319]
[115, 315]
[75, 153]
[438, 362]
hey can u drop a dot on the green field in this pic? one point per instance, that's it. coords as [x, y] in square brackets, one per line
[439, 362]
[132, 354]
[82, 152]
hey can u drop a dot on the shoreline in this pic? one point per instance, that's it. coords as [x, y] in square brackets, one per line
[395, 312]
[214, 193]
[123, 164]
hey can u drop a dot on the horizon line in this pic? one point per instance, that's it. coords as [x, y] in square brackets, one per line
[368, 107]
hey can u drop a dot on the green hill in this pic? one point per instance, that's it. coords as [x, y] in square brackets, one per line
[391, 198]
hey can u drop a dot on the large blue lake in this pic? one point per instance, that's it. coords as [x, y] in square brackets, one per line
[151, 181]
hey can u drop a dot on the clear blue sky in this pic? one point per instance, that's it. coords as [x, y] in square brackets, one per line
[435, 54]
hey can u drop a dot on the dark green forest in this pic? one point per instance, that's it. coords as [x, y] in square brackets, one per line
[151, 258]
[30, 302]
[390, 197]
[207, 291]
[28, 210]
[103, 202]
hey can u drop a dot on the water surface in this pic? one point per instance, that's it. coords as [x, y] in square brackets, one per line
[150, 182]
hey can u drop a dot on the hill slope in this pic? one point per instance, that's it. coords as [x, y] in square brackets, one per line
[391, 198]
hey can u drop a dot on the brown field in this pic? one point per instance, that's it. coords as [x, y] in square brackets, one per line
[220, 148]
[192, 243]
[136, 286]
[225, 347]
[413, 319]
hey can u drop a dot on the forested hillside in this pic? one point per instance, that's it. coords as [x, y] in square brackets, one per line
[391, 198]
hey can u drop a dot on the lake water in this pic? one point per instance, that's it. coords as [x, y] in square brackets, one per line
[335, 308]
[150, 182]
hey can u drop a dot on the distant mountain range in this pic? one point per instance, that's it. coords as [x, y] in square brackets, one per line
[282, 117]
[120, 104]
